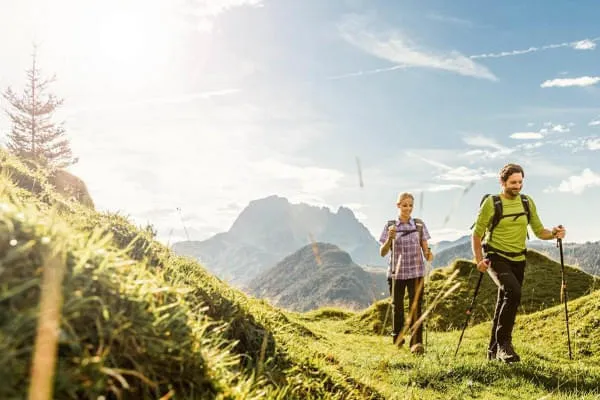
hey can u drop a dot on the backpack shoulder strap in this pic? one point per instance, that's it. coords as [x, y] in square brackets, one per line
[525, 201]
[497, 201]
[419, 224]
[483, 199]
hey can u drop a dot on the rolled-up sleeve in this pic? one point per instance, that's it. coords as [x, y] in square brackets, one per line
[484, 217]
[384, 234]
[534, 221]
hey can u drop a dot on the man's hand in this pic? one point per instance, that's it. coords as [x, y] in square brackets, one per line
[559, 232]
[483, 265]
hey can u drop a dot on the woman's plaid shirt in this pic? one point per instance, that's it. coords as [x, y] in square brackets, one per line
[407, 250]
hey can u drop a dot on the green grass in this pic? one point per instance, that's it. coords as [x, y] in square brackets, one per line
[140, 323]
[539, 337]
[137, 321]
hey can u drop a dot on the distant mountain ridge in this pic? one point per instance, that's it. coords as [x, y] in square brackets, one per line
[270, 229]
[319, 275]
[586, 256]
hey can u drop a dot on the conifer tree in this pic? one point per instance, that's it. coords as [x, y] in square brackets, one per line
[34, 135]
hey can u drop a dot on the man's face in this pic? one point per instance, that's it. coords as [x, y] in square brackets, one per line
[513, 184]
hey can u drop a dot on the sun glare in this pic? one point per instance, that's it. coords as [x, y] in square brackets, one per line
[127, 46]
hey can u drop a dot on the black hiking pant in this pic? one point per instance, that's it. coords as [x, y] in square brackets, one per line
[508, 276]
[415, 300]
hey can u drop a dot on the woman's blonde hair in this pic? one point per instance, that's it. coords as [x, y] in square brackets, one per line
[404, 196]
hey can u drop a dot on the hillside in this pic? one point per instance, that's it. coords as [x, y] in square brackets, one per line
[270, 229]
[316, 276]
[541, 289]
[545, 371]
[138, 321]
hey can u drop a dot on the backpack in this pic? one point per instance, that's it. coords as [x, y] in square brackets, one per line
[498, 212]
[418, 223]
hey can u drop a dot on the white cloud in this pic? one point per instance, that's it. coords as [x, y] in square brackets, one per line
[482, 141]
[429, 161]
[450, 19]
[465, 174]
[200, 156]
[576, 184]
[594, 123]
[530, 146]
[443, 187]
[560, 128]
[174, 99]
[585, 44]
[204, 11]
[457, 174]
[398, 48]
[215, 7]
[305, 179]
[567, 82]
[367, 72]
[593, 144]
[527, 135]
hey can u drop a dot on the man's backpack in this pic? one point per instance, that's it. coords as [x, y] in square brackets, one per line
[498, 211]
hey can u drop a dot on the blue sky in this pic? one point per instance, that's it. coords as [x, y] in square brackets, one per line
[187, 110]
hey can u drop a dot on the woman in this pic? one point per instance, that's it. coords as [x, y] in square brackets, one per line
[407, 238]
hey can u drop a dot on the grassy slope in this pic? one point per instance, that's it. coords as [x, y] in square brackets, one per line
[545, 372]
[138, 322]
[142, 323]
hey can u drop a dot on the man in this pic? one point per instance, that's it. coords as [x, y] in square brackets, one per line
[505, 253]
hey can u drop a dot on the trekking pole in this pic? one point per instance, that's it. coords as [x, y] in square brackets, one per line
[393, 283]
[427, 271]
[563, 293]
[469, 311]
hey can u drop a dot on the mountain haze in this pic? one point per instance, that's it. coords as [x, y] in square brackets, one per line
[272, 228]
[316, 276]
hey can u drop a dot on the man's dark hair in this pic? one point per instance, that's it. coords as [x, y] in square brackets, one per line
[510, 169]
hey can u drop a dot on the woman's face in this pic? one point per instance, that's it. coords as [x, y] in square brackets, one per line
[406, 206]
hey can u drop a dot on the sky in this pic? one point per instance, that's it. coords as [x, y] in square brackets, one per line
[183, 111]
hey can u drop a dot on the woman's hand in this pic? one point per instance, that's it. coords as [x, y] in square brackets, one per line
[429, 255]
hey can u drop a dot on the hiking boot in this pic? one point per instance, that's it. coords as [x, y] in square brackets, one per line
[417, 349]
[507, 353]
[397, 342]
